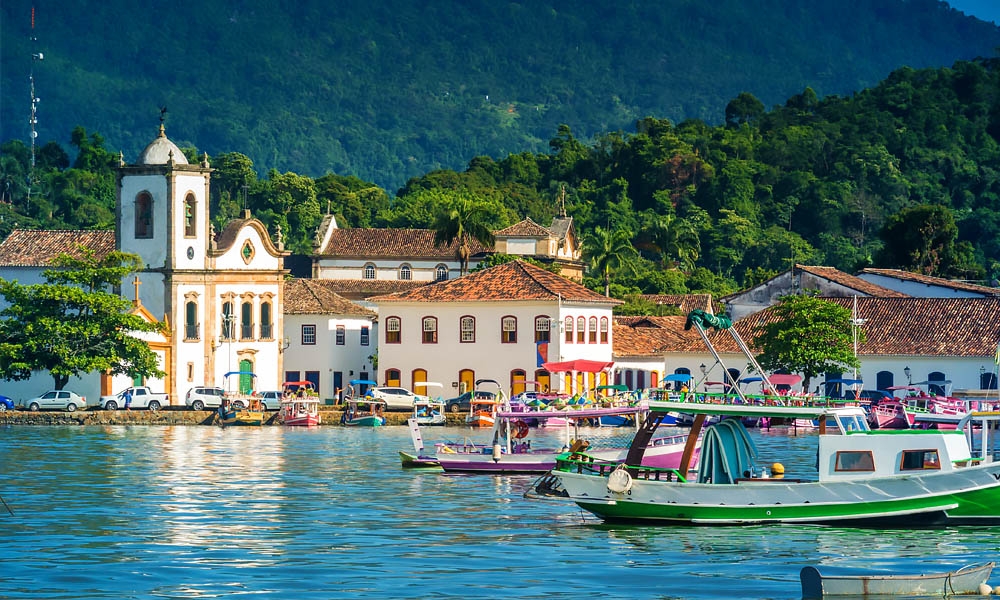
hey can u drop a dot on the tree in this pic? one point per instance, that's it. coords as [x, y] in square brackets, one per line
[924, 239]
[72, 325]
[463, 220]
[807, 335]
[745, 108]
[608, 251]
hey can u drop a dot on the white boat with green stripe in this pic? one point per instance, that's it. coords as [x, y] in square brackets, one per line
[911, 478]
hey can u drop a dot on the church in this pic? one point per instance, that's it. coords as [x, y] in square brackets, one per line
[220, 294]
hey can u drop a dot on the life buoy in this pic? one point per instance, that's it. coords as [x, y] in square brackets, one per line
[522, 430]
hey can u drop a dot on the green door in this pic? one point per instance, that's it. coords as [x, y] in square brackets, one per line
[246, 380]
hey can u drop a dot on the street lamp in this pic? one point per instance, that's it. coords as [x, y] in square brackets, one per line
[909, 379]
[703, 368]
[227, 322]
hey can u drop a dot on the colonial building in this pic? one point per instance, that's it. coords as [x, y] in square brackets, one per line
[825, 281]
[329, 340]
[557, 244]
[367, 262]
[221, 293]
[925, 286]
[503, 323]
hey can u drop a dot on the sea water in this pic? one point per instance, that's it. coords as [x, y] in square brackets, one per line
[272, 512]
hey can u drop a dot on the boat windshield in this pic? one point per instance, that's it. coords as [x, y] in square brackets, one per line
[852, 423]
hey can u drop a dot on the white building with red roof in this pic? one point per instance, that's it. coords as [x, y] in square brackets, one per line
[503, 323]
[330, 340]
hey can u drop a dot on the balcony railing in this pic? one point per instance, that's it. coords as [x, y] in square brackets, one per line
[192, 331]
[266, 331]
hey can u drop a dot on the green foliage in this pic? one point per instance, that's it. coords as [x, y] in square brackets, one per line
[462, 219]
[807, 335]
[499, 259]
[72, 325]
[608, 252]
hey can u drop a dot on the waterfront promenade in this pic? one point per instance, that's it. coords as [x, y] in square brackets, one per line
[172, 416]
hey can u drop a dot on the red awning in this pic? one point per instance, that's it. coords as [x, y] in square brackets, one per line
[580, 366]
[784, 379]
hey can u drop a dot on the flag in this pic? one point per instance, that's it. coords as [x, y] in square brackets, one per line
[996, 357]
[542, 353]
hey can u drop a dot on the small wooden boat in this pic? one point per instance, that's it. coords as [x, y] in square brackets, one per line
[364, 412]
[429, 412]
[417, 460]
[951, 583]
[300, 412]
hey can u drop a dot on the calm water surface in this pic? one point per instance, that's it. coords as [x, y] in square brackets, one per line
[202, 512]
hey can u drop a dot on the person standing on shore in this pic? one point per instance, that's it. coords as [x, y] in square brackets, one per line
[128, 399]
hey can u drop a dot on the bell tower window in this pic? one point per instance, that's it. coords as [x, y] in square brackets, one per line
[190, 218]
[143, 216]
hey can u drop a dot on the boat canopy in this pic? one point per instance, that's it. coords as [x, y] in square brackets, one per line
[844, 382]
[362, 382]
[580, 366]
[615, 388]
[677, 377]
[784, 379]
[231, 373]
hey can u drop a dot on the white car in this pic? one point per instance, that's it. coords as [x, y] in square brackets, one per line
[56, 400]
[395, 398]
[202, 397]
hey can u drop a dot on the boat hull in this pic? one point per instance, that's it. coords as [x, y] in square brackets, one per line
[662, 453]
[965, 581]
[967, 495]
[369, 421]
[303, 421]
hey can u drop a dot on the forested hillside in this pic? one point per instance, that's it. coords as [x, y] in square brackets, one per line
[392, 89]
[903, 175]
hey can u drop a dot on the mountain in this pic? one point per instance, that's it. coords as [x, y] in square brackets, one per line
[390, 90]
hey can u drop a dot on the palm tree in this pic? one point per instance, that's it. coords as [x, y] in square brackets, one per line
[609, 251]
[674, 238]
[463, 221]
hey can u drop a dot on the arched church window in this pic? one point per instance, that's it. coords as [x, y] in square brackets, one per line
[143, 216]
[266, 327]
[246, 320]
[191, 320]
[190, 221]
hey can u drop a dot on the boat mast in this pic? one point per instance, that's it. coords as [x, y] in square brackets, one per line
[33, 119]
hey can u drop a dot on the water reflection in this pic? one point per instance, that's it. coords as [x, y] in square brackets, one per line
[186, 512]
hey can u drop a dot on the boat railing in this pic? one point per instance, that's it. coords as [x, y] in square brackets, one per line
[581, 462]
[763, 399]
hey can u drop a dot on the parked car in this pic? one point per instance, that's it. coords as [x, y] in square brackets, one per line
[142, 397]
[202, 397]
[271, 400]
[6, 404]
[56, 400]
[395, 398]
[463, 402]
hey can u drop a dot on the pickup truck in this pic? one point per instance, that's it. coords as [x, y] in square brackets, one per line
[141, 398]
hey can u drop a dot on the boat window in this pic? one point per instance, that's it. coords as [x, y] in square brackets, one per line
[919, 460]
[854, 423]
[852, 460]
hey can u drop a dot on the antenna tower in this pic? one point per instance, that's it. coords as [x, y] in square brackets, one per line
[33, 120]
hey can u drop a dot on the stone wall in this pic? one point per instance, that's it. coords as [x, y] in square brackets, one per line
[169, 417]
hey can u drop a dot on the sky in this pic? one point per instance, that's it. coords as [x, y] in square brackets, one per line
[987, 10]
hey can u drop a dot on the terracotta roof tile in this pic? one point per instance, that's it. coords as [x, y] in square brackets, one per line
[526, 228]
[392, 243]
[850, 281]
[649, 336]
[947, 326]
[37, 247]
[937, 281]
[317, 296]
[364, 288]
[509, 282]
[685, 302]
